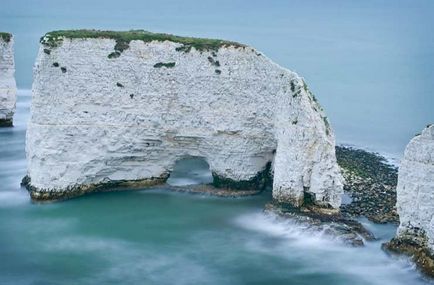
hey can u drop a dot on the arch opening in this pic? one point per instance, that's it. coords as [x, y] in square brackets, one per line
[191, 170]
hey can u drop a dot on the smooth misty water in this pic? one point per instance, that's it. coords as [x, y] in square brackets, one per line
[161, 237]
[370, 63]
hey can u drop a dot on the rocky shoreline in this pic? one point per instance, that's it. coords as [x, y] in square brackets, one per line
[370, 182]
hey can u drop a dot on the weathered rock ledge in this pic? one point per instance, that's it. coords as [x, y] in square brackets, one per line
[46, 195]
[152, 184]
[7, 80]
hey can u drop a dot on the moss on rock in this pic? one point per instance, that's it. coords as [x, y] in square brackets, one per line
[123, 38]
[5, 36]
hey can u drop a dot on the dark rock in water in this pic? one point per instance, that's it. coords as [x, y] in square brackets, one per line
[41, 195]
[156, 183]
[416, 249]
[6, 123]
[370, 182]
[329, 222]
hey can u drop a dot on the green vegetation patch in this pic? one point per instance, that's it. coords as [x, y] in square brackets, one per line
[6, 36]
[123, 38]
[167, 64]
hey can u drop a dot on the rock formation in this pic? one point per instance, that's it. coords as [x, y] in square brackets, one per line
[120, 108]
[7, 80]
[415, 201]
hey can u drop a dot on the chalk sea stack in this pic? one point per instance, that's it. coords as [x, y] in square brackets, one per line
[8, 88]
[415, 196]
[118, 109]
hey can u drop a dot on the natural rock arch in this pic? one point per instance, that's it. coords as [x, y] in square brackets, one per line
[190, 170]
[122, 107]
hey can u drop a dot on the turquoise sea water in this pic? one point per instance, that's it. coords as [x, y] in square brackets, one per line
[370, 63]
[162, 237]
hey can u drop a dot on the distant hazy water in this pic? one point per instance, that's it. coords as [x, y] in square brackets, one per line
[159, 237]
[370, 62]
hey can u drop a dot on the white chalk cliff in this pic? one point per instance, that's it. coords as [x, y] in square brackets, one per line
[7, 80]
[105, 110]
[415, 190]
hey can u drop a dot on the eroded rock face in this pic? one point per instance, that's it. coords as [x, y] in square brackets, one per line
[415, 202]
[415, 189]
[104, 110]
[7, 80]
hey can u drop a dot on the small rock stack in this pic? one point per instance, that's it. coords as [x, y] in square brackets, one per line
[7, 80]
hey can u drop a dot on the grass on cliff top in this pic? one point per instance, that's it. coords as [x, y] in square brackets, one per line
[6, 36]
[123, 38]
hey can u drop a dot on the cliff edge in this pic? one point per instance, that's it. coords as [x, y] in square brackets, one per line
[120, 108]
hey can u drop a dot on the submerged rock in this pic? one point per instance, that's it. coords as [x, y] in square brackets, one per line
[7, 80]
[330, 223]
[125, 106]
[415, 202]
[414, 246]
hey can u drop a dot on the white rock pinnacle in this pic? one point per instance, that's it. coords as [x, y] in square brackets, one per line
[7, 80]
